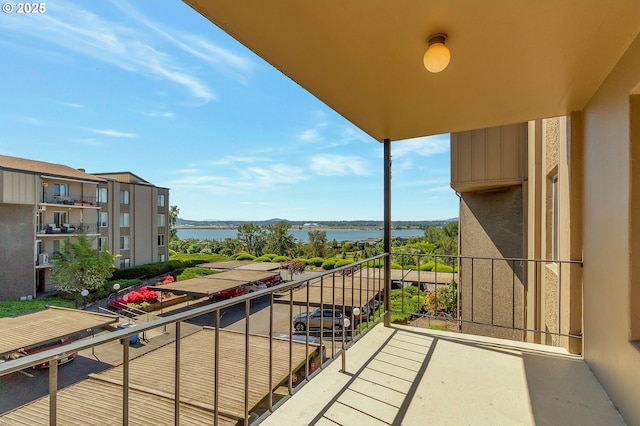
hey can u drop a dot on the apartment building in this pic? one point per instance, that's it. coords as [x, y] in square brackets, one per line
[43, 204]
[138, 213]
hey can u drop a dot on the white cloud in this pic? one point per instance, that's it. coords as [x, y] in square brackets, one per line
[309, 135]
[114, 133]
[424, 147]
[159, 114]
[338, 165]
[126, 47]
[73, 105]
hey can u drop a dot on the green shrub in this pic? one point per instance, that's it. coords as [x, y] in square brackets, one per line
[396, 266]
[427, 266]
[244, 256]
[151, 269]
[343, 262]
[262, 258]
[315, 261]
[270, 255]
[329, 264]
[443, 268]
[188, 273]
[279, 259]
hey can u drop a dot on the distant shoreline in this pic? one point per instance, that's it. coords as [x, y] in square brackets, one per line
[304, 228]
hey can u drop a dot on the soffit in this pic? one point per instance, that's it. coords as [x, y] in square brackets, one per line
[511, 61]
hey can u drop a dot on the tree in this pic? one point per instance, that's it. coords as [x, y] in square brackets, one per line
[253, 238]
[279, 241]
[294, 267]
[80, 266]
[173, 218]
[317, 243]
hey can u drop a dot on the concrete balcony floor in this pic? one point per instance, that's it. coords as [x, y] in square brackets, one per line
[411, 376]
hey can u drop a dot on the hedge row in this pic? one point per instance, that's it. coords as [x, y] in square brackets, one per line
[152, 269]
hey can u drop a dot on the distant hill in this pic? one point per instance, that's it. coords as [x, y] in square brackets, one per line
[399, 224]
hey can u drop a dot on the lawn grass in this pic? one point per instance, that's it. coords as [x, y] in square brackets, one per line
[10, 308]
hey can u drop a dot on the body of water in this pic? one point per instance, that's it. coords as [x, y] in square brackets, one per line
[301, 234]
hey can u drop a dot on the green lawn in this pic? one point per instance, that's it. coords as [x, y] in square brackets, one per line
[10, 308]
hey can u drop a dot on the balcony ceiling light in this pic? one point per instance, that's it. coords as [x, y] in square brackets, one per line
[437, 56]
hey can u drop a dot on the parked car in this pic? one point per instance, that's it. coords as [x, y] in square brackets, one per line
[254, 286]
[64, 358]
[270, 282]
[326, 319]
[229, 293]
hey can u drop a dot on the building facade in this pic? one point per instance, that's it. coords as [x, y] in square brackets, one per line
[520, 199]
[43, 204]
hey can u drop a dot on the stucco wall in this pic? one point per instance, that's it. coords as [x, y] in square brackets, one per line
[607, 260]
[17, 276]
[491, 225]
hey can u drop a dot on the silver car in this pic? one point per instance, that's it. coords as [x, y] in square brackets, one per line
[327, 319]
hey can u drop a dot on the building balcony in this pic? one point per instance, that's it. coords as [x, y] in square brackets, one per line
[407, 375]
[53, 229]
[69, 200]
[195, 367]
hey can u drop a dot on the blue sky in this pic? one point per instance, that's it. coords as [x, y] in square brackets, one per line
[153, 88]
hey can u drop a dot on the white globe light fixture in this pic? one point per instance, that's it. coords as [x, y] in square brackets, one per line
[437, 56]
[116, 286]
[84, 293]
[356, 312]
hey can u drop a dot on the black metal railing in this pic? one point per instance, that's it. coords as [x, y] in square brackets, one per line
[516, 298]
[68, 228]
[51, 197]
[332, 291]
[484, 295]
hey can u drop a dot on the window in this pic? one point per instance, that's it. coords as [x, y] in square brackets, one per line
[124, 242]
[56, 246]
[59, 218]
[124, 219]
[125, 263]
[102, 219]
[160, 200]
[60, 189]
[161, 240]
[160, 220]
[102, 243]
[161, 258]
[101, 195]
[124, 197]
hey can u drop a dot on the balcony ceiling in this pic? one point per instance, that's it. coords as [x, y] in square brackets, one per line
[511, 61]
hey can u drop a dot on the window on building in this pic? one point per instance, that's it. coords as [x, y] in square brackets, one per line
[125, 262]
[56, 246]
[102, 219]
[556, 219]
[59, 218]
[60, 189]
[102, 243]
[160, 220]
[101, 195]
[160, 200]
[161, 240]
[124, 197]
[124, 220]
[161, 258]
[124, 242]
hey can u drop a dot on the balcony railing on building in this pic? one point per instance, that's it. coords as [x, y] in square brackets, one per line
[240, 382]
[51, 197]
[68, 228]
